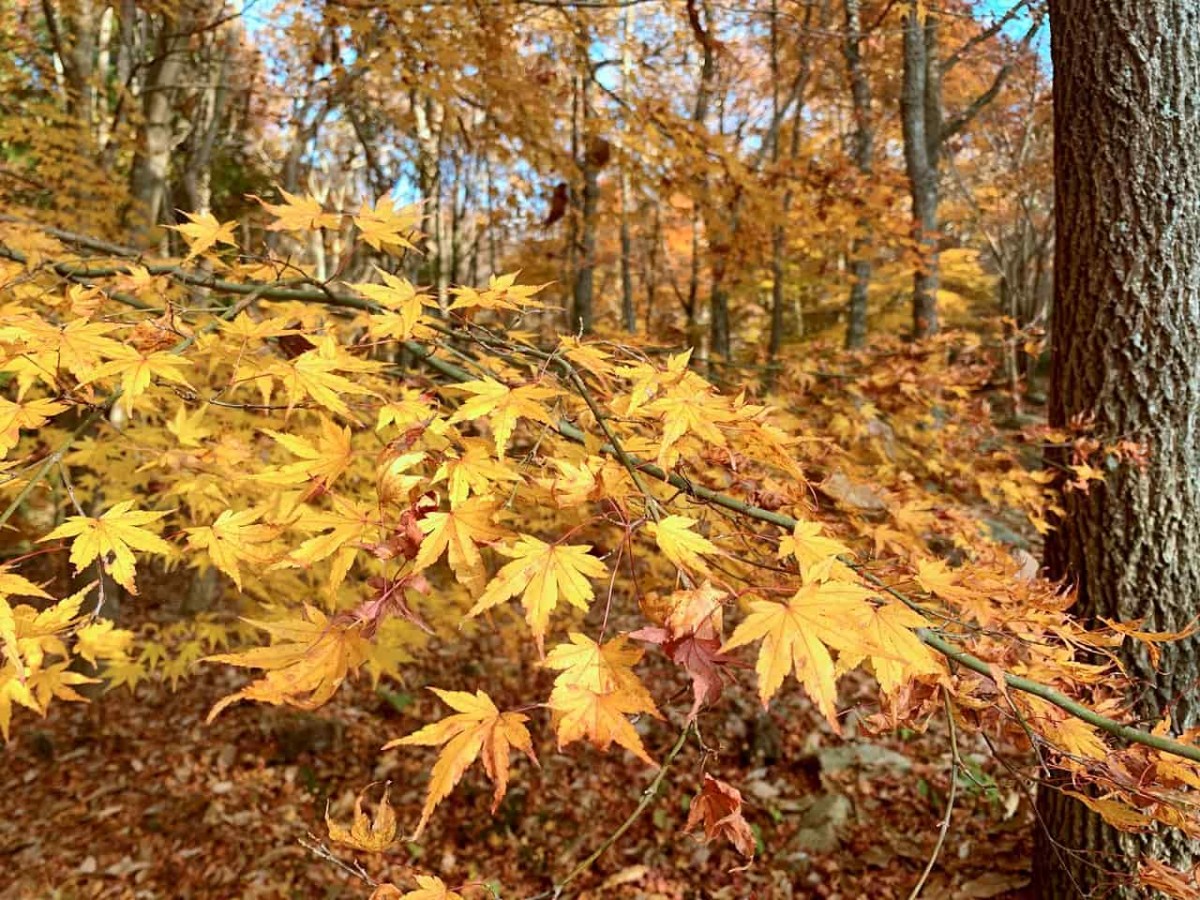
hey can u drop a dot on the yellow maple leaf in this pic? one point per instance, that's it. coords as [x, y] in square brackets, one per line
[233, 538]
[815, 552]
[690, 408]
[478, 727]
[458, 532]
[186, 426]
[680, 544]
[324, 458]
[371, 835]
[316, 374]
[648, 380]
[341, 530]
[502, 293]
[935, 577]
[112, 537]
[541, 573]
[597, 667]
[13, 689]
[403, 305]
[77, 346]
[1067, 733]
[1120, 815]
[30, 634]
[202, 232]
[896, 652]
[502, 406]
[586, 356]
[574, 484]
[429, 887]
[309, 660]
[298, 214]
[796, 635]
[103, 640]
[14, 585]
[28, 414]
[137, 370]
[388, 229]
[595, 690]
[56, 681]
[599, 717]
[474, 471]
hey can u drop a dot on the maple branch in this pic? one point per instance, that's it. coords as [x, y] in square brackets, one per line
[649, 795]
[317, 848]
[929, 637]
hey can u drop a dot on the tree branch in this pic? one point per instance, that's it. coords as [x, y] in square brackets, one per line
[420, 351]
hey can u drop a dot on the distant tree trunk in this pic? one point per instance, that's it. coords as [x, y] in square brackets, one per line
[1126, 340]
[862, 152]
[148, 178]
[585, 277]
[628, 305]
[775, 342]
[651, 276]
[700, 314]
[920, 103]
[210, 121]
[428, 115]
[778, 114]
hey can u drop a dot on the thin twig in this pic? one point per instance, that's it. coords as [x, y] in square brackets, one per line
[955, 762]
[648, 797]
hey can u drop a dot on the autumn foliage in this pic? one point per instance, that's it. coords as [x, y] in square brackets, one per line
[379, 466]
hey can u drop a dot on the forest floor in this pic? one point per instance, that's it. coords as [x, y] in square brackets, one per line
[144, 800]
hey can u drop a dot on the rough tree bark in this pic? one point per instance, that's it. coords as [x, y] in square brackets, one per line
[1126, 345]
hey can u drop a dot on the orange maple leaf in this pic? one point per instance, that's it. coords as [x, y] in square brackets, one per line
[595, 691]
[478, 727]
[796, 635]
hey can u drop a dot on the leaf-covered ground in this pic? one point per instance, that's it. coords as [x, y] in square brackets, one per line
[144, 799]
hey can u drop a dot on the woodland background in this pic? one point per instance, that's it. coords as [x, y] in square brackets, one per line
[453, 260]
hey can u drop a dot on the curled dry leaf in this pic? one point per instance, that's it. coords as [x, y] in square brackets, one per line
[718, 807]
[371, 835]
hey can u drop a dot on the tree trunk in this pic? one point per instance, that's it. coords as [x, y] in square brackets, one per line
[148, 179]
[628, 305]
[1126, 340]
[862, 150]
[211, 120]
[585, 278]
[428, 114]
[918, 98]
